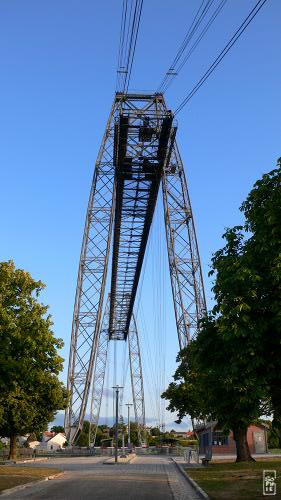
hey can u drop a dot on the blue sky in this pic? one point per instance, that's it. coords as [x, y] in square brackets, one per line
[58, 62]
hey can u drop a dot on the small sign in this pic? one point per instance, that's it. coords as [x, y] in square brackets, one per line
[269, 482]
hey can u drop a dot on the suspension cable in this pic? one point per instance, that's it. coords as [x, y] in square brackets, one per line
[130, 23]
[222, 54]
[196, 43]
[177, 63]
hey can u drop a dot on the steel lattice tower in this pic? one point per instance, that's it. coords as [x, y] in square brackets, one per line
[138, 154]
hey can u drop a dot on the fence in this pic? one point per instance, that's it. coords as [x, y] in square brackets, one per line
[77, 451]
[21, 453]
[97, 451]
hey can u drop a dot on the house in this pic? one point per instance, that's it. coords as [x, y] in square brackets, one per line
[52, 441]
[34, 444]
[184, 435]
[47, 435]
[213, 439]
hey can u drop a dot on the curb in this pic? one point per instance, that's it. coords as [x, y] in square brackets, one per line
[38, 459]
[55, 476]
[9, 491]
[27, 460]
[196, 486]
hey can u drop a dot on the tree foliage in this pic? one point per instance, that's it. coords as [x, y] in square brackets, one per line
[134, 437]
[262, 210]
[83, 439]
[57, 428]
[103, 435]
[232, 371]
[30, 392]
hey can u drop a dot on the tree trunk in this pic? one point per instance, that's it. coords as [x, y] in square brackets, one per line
[13, 447]
[242, 448]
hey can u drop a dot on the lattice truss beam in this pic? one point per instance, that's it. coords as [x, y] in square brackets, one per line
[137, 153]
[137, 380]
[91, 284]
[142, 142]
[99, 375]
[184, 261]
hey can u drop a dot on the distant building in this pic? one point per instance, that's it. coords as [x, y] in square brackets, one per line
[52, 441]
[184, 435]
[34, 444]
[47, 435]
[213, 439]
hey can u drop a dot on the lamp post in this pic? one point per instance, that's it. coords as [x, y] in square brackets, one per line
[116, 387]
[129, 427]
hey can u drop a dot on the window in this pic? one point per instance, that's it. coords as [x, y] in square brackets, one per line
[219, 439]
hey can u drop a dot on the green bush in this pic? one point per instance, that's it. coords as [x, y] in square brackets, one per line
[188, 442]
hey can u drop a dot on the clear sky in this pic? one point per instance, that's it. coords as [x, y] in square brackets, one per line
[58, 68]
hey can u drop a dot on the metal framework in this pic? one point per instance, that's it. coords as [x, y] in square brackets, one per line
[91, 284]
[98, 377]
[184, 261]
[137, 380]
[137, 153]
[141, 145]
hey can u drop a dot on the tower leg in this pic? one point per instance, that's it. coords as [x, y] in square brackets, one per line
[137, 380]
[98, 377]
[184, 261]
[90, 285]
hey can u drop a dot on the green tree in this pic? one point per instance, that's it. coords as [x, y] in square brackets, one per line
[133, 434]
[83, 439]
[30, 392]
[262, 211]
[232, 371]
[155, 431]
[57, 428]
[151, 440]
[102, 434]
[104, 428]
[220, 384]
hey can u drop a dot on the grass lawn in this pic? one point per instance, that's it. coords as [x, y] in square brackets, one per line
[236, 481]
[14, 476]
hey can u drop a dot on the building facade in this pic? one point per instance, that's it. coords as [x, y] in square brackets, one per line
[213, 440]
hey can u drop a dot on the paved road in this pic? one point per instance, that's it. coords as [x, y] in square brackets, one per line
[87, 478]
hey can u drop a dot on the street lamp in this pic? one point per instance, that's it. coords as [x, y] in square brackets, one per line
[116, 387]
[129, 427]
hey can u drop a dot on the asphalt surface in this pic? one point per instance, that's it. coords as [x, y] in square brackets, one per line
[85, 478]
